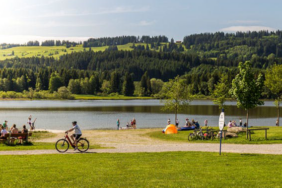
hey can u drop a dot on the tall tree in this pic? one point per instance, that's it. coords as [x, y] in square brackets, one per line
[115, 81]
[246, 89]
[128, 85]
[177, 96]
[221, 92]
[55, 82]
[273, 81]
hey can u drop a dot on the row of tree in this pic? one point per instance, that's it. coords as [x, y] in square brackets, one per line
[53, 43]
[121, 40]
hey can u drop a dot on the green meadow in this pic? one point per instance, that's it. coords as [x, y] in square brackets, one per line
[50, 51]
[56, 51]
[168, 169]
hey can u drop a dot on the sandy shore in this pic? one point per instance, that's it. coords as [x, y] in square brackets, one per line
[129, 141]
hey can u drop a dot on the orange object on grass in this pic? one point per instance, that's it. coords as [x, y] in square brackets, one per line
[171, 129]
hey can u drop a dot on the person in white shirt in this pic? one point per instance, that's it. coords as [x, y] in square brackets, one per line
[3, 132]
[77, 133]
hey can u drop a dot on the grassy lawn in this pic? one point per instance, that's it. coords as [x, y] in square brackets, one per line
[38, 145]
[274, 135]
[170, 169]
[119, 97]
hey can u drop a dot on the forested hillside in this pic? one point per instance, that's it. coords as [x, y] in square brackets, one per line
[150, 62]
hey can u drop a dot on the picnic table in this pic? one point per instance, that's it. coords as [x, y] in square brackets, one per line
[257, 129]
[8, 136]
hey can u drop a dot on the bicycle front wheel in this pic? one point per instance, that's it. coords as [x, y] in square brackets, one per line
[82, 145]
[191, 137]
[62, 145]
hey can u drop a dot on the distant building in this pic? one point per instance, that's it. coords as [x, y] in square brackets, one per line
[178, 42]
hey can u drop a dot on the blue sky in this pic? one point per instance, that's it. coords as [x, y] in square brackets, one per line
[23, 20]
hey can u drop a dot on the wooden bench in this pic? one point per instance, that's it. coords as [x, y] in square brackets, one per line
[258, 129]
[8, 136]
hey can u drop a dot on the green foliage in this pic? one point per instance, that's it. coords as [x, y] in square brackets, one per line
[156, 85]
[176, 96]
[221, 91]
[273, 80]
[64, 93]
[55, 82]
[115, 82]
[106, 87]
[128, 85]
[145, 85]
[246, 89]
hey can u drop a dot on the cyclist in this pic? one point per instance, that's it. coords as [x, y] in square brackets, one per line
[77, 133]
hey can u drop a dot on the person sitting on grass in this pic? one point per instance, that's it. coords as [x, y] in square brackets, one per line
[77, 133]
[230, 124]
[22, 138]
[197, 125]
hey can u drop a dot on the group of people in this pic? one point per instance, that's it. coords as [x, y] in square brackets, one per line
[4, 129]
[188, 123]
[132, 124]
[234, 124]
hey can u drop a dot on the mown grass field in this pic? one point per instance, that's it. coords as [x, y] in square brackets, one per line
[274, 135]
[169, 169]
[55, 51]
[50, 51]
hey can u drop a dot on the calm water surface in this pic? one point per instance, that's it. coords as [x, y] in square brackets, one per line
[102, 114]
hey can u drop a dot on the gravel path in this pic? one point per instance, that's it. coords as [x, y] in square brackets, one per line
[130, 141]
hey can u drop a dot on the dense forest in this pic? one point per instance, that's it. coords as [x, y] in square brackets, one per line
[144, 70]
[108, 41]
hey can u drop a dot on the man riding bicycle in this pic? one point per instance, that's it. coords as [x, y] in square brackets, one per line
[77, 133]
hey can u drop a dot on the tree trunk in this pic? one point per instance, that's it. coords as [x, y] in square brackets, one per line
[278, 114]
[247, 124]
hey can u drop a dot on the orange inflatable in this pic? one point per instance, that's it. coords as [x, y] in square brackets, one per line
[171, 129]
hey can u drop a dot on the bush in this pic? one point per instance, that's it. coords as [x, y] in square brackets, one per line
[64, 93]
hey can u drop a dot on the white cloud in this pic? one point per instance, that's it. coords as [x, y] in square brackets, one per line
[117, 10]
[245, 21]
[32, 6]
[16, 39]
[247, 28]
[145, 23]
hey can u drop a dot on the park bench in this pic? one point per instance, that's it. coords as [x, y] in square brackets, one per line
[257, 129]
[8, 136]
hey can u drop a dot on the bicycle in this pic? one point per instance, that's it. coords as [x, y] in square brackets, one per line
[62, 145]
[196, 135]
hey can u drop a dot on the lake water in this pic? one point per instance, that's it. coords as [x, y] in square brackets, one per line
[102, 114]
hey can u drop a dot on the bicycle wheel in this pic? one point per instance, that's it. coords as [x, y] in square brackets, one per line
[62, 145]
[82, 145]
[191, 137]
[201, 136]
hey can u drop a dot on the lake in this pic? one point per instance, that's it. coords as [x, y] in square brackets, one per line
[102, 114]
